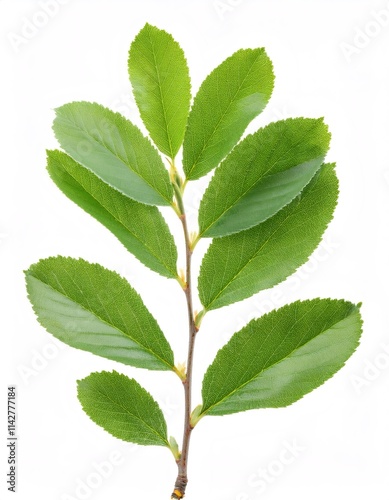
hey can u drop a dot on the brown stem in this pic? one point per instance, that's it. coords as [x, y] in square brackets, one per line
[182, 478]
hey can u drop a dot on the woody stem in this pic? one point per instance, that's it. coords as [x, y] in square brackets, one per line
[182, 462]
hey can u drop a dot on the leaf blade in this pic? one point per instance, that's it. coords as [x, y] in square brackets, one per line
[263, 173]
[115, 150]
[237, 266]
[123, 408]
[140, 228]
[277, 359]
[96, 310]
[159, 76]
[230, 97]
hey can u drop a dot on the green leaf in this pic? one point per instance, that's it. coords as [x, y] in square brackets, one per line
[228, 99]
[159, 76]
[141, 228]
[115, 150]
[265, 172]
[237, 266]
[96, 310]
[275, 360]
[123, 408]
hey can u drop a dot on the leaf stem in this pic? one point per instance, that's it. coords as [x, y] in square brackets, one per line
[182, 463]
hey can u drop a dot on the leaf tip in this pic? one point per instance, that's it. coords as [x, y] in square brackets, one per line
[148, 26]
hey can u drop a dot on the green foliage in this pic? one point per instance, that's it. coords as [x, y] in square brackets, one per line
[237, 266]
[141, 228]
[94, 309]
[136, 418]
[265, 172]
[275, 360]
[160, 80]
[115, 150]
[267, 206]
[228, 99]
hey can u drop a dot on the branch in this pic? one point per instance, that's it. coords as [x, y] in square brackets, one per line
[182, 478]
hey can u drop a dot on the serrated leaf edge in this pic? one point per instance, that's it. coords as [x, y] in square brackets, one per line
[148, 25]
[174, 273]
[27, 274]
[356, 307]
[261, 51]
[164, 438]
[322, 158]
[121, 117]
[207, 309]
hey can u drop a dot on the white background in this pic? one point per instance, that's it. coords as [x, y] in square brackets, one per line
[324, 66]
